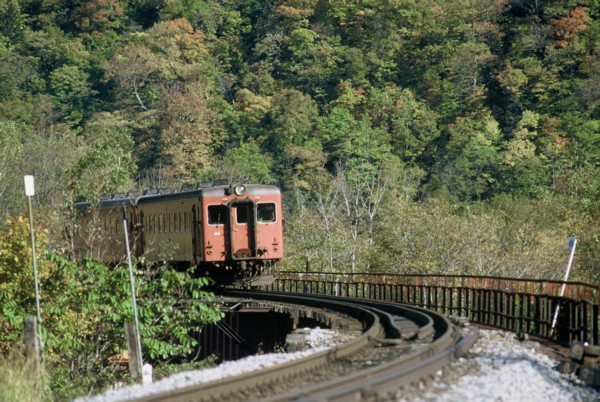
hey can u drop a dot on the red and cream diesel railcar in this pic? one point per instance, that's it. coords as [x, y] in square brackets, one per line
[230, 233]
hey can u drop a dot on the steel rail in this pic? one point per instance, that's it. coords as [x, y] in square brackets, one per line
[391, 376]
[379, 323]
[446, 347]
[227, 388]
[420, 316]
[386, 378]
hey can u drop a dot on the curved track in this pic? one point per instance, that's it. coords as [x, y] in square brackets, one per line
[383, 324]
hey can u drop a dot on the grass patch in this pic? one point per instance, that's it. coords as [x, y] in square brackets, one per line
[18, 382]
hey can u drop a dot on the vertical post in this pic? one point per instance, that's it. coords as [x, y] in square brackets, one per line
[572, 244]
[147, 374]
[29, 192]
[138, 357]
[135, 370]
[32, 346]
[295, 318]
[596, 319]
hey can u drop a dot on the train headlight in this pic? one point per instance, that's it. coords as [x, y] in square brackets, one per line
[239, 190]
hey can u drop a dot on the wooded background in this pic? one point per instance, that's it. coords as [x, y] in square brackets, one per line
[408, 136]
[430, 136]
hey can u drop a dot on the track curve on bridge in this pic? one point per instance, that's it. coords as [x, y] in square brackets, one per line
[383, 323]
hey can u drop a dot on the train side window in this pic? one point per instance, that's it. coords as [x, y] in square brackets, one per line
[185, 222]
[217, 214]
[170, 223]
[265, 213]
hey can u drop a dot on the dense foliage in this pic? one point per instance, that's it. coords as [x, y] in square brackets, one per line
[409, 136]
[461, 101]
[84, 307]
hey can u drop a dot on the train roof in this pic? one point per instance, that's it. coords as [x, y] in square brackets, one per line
[210, 189]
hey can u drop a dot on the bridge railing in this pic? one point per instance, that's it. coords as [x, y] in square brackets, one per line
[530, 306]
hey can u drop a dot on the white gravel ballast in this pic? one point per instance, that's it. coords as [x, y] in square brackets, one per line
[317, 340]
[498, 368]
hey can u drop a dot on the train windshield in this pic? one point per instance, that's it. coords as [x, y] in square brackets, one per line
[217, 214]
[242, 213]
[265, 213]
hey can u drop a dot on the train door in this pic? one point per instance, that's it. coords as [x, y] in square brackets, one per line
[196, 234]
[243, 235]
[138, 232]
[216, 233]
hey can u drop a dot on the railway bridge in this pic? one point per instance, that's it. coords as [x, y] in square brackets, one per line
[562, 312]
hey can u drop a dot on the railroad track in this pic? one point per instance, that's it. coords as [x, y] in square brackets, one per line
[399, 345]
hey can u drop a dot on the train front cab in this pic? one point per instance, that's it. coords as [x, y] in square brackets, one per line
[243, 229]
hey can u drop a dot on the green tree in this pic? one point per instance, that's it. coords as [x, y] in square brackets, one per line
[247, 163]
[18, 78]
[525, 168]
[291, 122]
[412, 125]
[188, 134]
[106, 164]
[99, 16]
[12, 22]
[334, 127]
[50, 48]
[45, 152]
[11, 151]
[16, 271]
[72, 89]
[292, 116]
[577, 177]
[306, 164]
[84, 306]
[364, 151]
[164, 79]
[469, 170]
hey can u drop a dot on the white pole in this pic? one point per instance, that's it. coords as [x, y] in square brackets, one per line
[572, 245]
[29, 192]
[135, 314]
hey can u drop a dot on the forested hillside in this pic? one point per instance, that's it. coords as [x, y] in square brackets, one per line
[450, 136]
